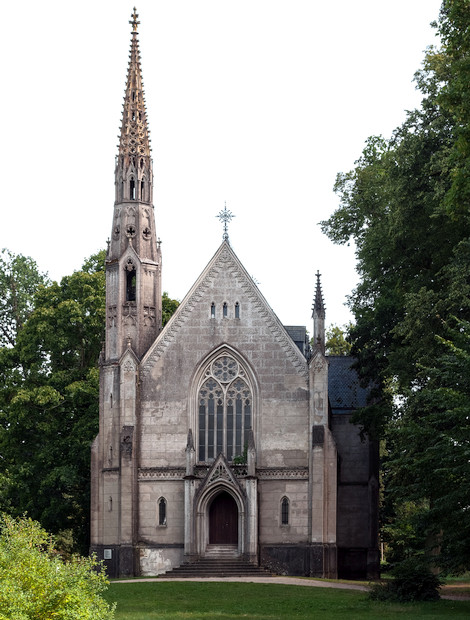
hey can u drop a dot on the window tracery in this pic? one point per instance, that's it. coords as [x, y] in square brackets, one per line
[224, 409]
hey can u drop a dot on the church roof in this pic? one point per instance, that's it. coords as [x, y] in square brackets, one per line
[344, 392]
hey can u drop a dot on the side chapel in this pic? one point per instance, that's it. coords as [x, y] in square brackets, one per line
[224, 429]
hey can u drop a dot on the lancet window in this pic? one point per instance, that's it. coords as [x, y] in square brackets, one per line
[225, 409]
[162, 511]
[285, 511]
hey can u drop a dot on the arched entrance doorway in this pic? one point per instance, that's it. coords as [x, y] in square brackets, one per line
[223, 520]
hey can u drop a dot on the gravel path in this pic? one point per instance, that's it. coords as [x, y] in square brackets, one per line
[291, 581]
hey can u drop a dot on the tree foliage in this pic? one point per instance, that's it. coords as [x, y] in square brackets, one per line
[337, 342]
[36, 583]
[49, 404]
[405, 205]
[19, 280]
[49, 401]
[168, 308]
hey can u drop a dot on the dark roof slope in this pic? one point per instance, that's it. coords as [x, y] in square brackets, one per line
[344, 391]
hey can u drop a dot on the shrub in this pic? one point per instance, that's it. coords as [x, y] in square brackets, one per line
[412, 580]
[35, 583]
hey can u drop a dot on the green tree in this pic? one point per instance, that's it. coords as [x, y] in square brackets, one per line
[36, 583]
[405, 205]
[19, 281]
[168, 308]
[430, 441]
[337, 340]
[49, 405]
[49, 393]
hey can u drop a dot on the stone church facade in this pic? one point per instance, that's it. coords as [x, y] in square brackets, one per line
[225, 429]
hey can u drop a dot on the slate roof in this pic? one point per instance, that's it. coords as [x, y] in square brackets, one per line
[344, 391]
[298, 333]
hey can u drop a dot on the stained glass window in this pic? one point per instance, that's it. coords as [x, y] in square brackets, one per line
[225, 404]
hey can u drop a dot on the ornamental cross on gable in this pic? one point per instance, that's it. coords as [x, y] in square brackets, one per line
[225, 216]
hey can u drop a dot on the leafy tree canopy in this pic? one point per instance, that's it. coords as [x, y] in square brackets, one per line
[36, 583]
[19, 280]
[49, 401]
[405, 205]
[337, 342]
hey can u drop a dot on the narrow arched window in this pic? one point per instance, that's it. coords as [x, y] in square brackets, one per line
[142, 189]
[212, 310]
[285, 511]
[162, 511]
[224, 310]
[131, 284]
[237, 310]
[132, 189]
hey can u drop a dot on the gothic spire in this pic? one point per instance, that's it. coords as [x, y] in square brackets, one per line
[134, 139]
[318, 315]
[133, 289]
[318, 305]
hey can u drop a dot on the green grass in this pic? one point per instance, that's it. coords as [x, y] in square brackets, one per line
[231, 601]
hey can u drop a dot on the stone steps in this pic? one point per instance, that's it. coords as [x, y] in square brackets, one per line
[217, 567]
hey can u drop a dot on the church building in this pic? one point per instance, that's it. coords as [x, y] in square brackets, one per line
[225, 431]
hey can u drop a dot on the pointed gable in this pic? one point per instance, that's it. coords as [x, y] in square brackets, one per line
[209, 288]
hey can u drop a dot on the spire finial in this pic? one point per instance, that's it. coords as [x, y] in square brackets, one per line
[134, 22]
[318, 304]
[319, 318]
[134, 140]
[225, 216]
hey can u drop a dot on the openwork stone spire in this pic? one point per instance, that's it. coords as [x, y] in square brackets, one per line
[318, 317]
[134, 139]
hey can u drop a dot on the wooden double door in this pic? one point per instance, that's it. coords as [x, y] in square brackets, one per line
[223, 520]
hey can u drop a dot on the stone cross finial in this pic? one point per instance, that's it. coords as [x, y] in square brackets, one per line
[134, 22]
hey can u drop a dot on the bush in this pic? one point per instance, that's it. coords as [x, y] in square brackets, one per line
[35, 583]
[412, 580]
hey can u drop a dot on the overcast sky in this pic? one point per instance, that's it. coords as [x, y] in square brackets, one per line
[259, 103]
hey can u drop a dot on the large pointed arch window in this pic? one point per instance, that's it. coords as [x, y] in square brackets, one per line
[225, 409]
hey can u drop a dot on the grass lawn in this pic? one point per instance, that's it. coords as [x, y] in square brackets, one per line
[231, 600]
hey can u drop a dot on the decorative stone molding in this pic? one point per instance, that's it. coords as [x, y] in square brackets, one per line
[112, 316]
[128, 366]
[149, 474]
[226, 260]
[280, 473]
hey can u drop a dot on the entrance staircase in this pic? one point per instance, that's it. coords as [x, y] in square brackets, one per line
[219, 561]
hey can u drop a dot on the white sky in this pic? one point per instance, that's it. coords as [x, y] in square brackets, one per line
[259, 103]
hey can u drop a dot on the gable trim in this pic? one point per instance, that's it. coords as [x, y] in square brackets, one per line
[225, 257]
